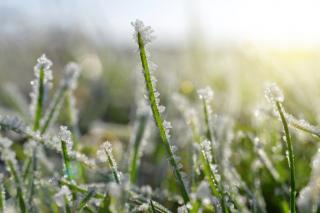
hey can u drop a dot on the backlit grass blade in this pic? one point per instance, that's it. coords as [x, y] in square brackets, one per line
[143, 36]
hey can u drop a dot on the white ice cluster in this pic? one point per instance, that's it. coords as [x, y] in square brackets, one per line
[104, 154]
[43, 65]
[206, 94]
[302, 124]
[145, 31]
[274, 94]
[66, 136]
[206, 149]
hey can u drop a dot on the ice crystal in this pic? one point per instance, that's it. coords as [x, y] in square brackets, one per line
[205, 93]
[66, 136]
[145, 31]
[43, 64]
[206, 149]
[274, 94]
[104, 154]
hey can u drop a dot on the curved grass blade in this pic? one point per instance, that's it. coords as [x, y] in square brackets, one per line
[290, 159]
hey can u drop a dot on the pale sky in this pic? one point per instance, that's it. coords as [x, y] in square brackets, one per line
[264, 21]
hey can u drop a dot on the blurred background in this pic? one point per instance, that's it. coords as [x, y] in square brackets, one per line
[234, 46]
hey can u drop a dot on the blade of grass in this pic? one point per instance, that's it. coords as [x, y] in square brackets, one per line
[155, 108]
[290, 160]
[86, 199]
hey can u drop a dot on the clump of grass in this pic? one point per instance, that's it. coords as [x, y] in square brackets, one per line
[220, 168]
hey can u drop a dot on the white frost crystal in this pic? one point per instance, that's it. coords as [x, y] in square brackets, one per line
[43, 64]
[206, 149]
[206, 93]
[274, 94]
[145, 31]
[105, 148]
[65, 135]
[104, 154]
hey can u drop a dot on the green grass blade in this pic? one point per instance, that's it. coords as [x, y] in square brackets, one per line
[290, 160]
[66, 160]
[86, 199]
[156, 113]
[38, 110]
[152, 208]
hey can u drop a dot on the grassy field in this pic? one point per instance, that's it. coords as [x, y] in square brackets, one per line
[221, 137]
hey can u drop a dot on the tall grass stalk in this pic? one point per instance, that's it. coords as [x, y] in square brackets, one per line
[43, 77]
[275, 96]
[142, 36]
[205, 158]
[291, 159]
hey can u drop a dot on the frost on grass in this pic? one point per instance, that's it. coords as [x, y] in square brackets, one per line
[66, 136]
[62, 195]
[43, 64]
[104, 154]
[206, 94]
[309, 197]
[145, 31]
[302, 124]
[274, 94]
[206, 149]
